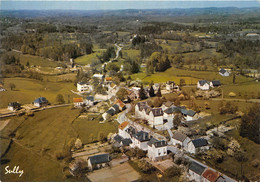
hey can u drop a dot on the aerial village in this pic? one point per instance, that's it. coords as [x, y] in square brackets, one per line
[147, 102]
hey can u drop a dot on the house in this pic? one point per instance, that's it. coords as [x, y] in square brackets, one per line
[126, 142]
[98, 161]
[139, 108]
[222, 179]
[13, 106]
[140, 140]
[195, 171]
[167, 104]
[78, 102]
[203, 84]
[156, 87]
[89, 100]
[196, 145]
[215, 83]
[155, 117]
[122, 129]
[98, 76]
[170, 85]
[120, 104]
[116, 108]
[108, 79]
[2, 89]
[182, 139]
[84, 87]
[157, 150]
[223, 72]
[130, 132]
[210, 176]
[110, 112]
[189, 115]
[41, 101]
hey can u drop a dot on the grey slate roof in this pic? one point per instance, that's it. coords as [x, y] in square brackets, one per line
[111, 112]
[41, 100]
[200, 142]
[221, 179]
[99, 159]
[197, 168]
[157, 112]
[14, 104]
[188, 112]
[118, 138]
[126, 142]
[222, 70]
[116, 107]
[130, 130]
[216, 83]
[203, 82]
[179, 136]
[91, 98]
[168, 103]
[157, 143]
[142, 136]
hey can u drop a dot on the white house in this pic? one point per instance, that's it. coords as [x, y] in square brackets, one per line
[140, 140]
[189, 115]
[139, 108]
[170, 85]
[195, 171]
[98, 161]
[196, 145]
[203, 84]
[98, 76]
[14, 106]
[155, 117]
[41, 101]
[122, 129]
[223, 72]
[78, 102]
[84, 87]
[157, 150]
[89, 100]
[182, 139]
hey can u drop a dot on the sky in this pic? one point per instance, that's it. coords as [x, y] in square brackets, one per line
[123, 4]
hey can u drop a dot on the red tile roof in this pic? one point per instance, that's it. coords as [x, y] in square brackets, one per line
[121, 104]
[108, 78]
[77, 100]
[123, 125]
[210, 175]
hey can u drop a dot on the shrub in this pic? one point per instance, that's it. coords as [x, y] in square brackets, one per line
[173, 171]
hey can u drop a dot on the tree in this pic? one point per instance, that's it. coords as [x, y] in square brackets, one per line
[142, 94]
[173, 171]
[250, 124]
[240, 156]
[182, 82]
[145, 166]
[102, 137]
[151, 91]
[60, 99]
[12, 86]
[234, 78]
[122, 93]
[28, 64]
[159, 94]
[177, 119]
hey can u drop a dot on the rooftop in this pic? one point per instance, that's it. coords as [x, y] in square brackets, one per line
[210, 175]
[200, 142]
[123, 125]
[197, 168]
[179, 136]
[99, 159]
[77, 100]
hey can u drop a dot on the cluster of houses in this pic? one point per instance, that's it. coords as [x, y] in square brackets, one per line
[200, 173]
[39, 102]
[86, 101]
[158, 117]
[206, 85]
[117, 107]
[191, 146]
[128, 136]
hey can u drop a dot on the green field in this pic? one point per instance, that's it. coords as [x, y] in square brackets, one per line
[27, 90]
[47, 130]
[87, 59]
[132, 53]
[90, 130]
[35, 60]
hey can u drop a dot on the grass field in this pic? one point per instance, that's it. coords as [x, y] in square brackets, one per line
[27, 90]
[90, 130]
[49, 130]
[132, 53]
[87, 59]
[35, 60]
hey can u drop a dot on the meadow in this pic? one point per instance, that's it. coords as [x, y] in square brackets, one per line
[89, 58]
[27, 90]
[89, 131]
